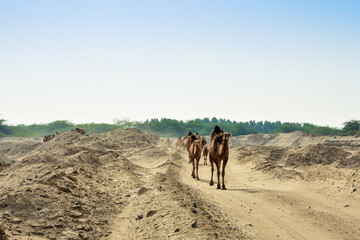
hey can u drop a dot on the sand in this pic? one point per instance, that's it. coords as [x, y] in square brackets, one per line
[128, 184]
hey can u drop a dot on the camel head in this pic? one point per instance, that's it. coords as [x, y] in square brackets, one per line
[197, 142]
[225, 136]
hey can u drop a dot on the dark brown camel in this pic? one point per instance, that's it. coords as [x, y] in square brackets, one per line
[219, 151]
[203, 142]
[194, 155]
[205, 153]
[197, 136]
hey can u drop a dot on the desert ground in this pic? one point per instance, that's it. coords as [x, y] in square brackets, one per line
[128, 184]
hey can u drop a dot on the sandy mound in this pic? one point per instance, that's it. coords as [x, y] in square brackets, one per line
[310, 163]
[15, 149]
[293, 139]
[68, 185]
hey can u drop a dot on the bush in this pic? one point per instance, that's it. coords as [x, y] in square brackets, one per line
[357, 134]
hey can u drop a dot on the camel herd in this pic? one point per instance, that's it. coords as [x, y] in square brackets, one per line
[218, 152]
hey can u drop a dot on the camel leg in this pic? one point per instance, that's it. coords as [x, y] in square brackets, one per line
[218, 173]
[193, 171]
[223, 174]
[197, 168]
[212, 171]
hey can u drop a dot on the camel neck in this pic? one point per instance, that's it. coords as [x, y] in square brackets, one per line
[223, 147]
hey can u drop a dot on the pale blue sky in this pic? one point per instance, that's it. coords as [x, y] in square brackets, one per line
[93, 61]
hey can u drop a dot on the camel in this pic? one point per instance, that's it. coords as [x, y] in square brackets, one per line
[195, 154]
[183, 146]
[187, 143]
[219, 151]
[203, 143]
[197, 136]
[178, 143]
[205, 153]
[186, 136]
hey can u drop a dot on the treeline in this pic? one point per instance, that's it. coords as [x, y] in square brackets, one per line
[173, 128]
[165, 127]
[40, 130]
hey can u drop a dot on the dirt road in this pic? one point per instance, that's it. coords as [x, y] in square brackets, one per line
[267, 208]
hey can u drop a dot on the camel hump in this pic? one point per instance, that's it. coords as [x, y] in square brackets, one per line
[193, 138]
[217, 130]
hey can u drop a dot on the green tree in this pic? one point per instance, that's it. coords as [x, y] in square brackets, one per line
[289, 127]
[4, 129]
[351, 127]
[214, 120]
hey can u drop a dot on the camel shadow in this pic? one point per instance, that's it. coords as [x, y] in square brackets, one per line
[242, 190]
[204, 181]
[231, 189]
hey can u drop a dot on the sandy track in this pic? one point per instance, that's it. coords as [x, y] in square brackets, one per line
[267, 208]
[166, 204]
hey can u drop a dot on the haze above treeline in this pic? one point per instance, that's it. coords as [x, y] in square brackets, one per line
[166, 127]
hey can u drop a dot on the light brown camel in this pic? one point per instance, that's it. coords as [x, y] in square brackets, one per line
[187, 143]
[168, 142]
[205, 153]
[194, 155]
[183, 146]
[178, 143]
[219, 151]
